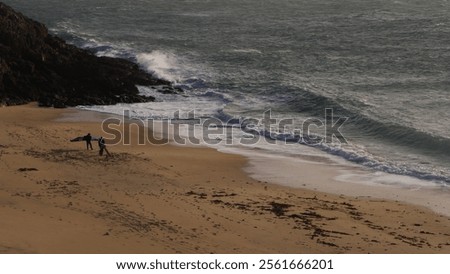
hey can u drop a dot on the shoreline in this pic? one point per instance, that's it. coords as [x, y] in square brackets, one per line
[172, 199]
[338, 177]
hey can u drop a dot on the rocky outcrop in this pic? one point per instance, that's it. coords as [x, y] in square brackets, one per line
[37, 66]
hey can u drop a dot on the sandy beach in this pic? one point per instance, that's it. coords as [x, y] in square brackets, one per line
[58, 197]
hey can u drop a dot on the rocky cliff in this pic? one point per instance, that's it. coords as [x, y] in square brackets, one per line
[37, 66]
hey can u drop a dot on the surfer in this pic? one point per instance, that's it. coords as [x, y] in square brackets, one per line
[102, 146]
[88, 139]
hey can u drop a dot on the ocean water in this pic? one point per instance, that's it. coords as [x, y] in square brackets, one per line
[385, 65]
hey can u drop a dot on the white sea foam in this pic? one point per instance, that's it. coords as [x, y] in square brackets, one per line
[247, 51]
[163, 64]
[204, 104]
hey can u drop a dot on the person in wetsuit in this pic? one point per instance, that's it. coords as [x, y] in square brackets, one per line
[102, 146]
[88, 139]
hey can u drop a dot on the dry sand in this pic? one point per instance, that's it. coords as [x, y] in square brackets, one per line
[57, 197]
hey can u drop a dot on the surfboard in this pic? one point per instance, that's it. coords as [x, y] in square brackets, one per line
[81, 139]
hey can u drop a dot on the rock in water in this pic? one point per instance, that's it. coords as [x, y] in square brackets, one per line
[37, 66]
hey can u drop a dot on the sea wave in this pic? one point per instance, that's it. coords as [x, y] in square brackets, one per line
[351, 152]
[164, 65]
[307, 101]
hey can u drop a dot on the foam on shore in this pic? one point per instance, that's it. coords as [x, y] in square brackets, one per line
[336, 176]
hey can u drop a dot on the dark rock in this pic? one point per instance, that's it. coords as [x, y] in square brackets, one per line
[169, 90]
[36, 66]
